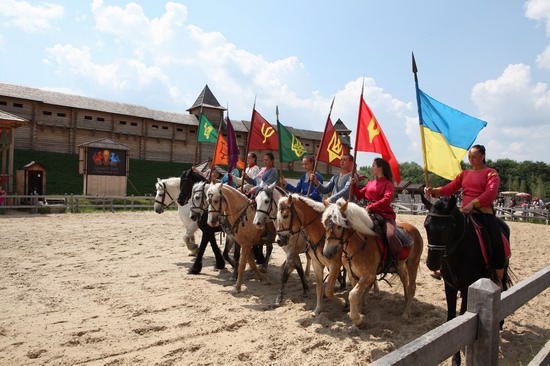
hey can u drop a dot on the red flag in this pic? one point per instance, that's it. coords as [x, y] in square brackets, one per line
[262, 135]
[331, 148]
[221, 153]
[371, 138]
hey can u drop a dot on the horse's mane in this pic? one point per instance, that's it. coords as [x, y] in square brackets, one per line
[316, 206]
[355, 217]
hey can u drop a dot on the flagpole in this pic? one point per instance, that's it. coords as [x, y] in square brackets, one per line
[216, 149]
[415, 71]
[321, 145]
[248, 143]
[356, 139]
[197, 145]
[279, 140]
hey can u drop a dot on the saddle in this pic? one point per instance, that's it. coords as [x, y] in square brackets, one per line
[485, 240]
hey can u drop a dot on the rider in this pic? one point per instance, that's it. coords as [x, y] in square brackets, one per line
[379, 195]
[339, 184]
[479, 190]
[302, 186]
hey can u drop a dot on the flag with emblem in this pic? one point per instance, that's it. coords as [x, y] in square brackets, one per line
[331, 148]
[290, 148]
[207, 132]
[262, 136]
[371, 138]
[227, 151]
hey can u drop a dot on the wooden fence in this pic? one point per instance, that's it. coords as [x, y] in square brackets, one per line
[523, 214]
[75, 203]
[477, 329]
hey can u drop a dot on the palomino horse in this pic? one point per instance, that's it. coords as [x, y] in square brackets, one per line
[167, 193]
[454, 248]
[266, 211]
[230, 209]
[349, 233]
[301, 215]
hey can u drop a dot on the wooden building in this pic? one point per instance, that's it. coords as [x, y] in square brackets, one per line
[60, 122]
[8, 123]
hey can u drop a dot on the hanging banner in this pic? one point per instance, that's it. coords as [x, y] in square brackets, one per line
[106, 161]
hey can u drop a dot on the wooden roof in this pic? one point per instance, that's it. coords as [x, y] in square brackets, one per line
[11, 120]
[76, 101]
[206, 99]
[105, 143]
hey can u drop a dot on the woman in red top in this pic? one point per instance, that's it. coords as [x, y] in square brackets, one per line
[479, 190]
[379, 195]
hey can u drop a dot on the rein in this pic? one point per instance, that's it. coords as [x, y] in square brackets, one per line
[229, 228]
[344, 242]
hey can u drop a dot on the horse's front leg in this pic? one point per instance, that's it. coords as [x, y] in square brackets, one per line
[245, 253]
[403, 273]
[189, 238]
[334, 272]
[259, 275]
[284, 278]
[318, 268]
[356, 295]
[451, 298]
[300, 270]
[229, 243]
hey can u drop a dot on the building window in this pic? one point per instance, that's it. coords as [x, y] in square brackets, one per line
[61, 115]
[133, 123]
[239, 136]
[88, 117]
[155, 127]
[307, 144]
[179, 129]
[101, 119]
[122, 122]
[164, 127]
[3, 102]
[47, 113]
[18, 105]
[191, 131]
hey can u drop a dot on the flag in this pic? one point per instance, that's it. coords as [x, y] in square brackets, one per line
[371, 138]
[207, 132]
[226, 152]
[331, 149]
[448, 135]
[262, 136]
[290, 148]
[232, 148]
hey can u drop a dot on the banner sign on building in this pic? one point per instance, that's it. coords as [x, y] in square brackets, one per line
[106, 161]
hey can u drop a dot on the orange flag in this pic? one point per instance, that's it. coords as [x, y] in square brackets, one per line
[371, 138]
[221, 153]
[331, 148]
[262, 135]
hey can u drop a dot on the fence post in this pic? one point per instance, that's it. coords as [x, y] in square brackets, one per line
[484, 299]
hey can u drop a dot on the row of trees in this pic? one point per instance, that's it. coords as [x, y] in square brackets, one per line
[527, 176]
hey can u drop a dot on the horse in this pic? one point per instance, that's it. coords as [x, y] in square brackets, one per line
[455, 250]
[231, 209]
[349, 232]
[266, 211]
[187, 180]
[167, 193]
[302, 215]
[198, 205]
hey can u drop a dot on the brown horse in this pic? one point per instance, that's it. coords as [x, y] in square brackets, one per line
[302, 215]
[230, 209]
[349, 235]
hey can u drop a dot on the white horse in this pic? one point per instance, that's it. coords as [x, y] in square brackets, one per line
[167, 194]
[266, 211]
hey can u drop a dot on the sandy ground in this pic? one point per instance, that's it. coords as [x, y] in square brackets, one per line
[113, 289]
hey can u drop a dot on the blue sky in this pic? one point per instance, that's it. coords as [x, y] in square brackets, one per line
[490, 59]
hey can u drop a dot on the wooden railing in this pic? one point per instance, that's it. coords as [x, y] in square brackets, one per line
[477, 329]
[75, 203]
[523, 214]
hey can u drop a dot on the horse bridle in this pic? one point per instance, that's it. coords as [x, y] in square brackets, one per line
[289, 232]
[197, 209]
[272, 203]
[164, 193]
[224, 221]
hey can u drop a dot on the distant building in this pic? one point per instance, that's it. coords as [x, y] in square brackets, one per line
[60, 122]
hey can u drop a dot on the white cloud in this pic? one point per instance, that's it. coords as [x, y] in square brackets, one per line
[517, 111]
[30, 18]
[540, 10]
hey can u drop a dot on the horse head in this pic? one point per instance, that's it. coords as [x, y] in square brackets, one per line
[163, 197]
[198, 202]
[440, 225]
[187, 180]
[336, 228]
[266, 204]
[215, 204]
[284, 222]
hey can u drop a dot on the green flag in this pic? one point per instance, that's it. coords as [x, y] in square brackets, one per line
[290, 148]
[207, 132]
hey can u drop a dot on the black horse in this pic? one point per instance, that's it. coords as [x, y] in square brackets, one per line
[187, 180]
[454, 248]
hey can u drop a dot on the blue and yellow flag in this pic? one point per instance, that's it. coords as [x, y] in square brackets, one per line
[448, 135]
